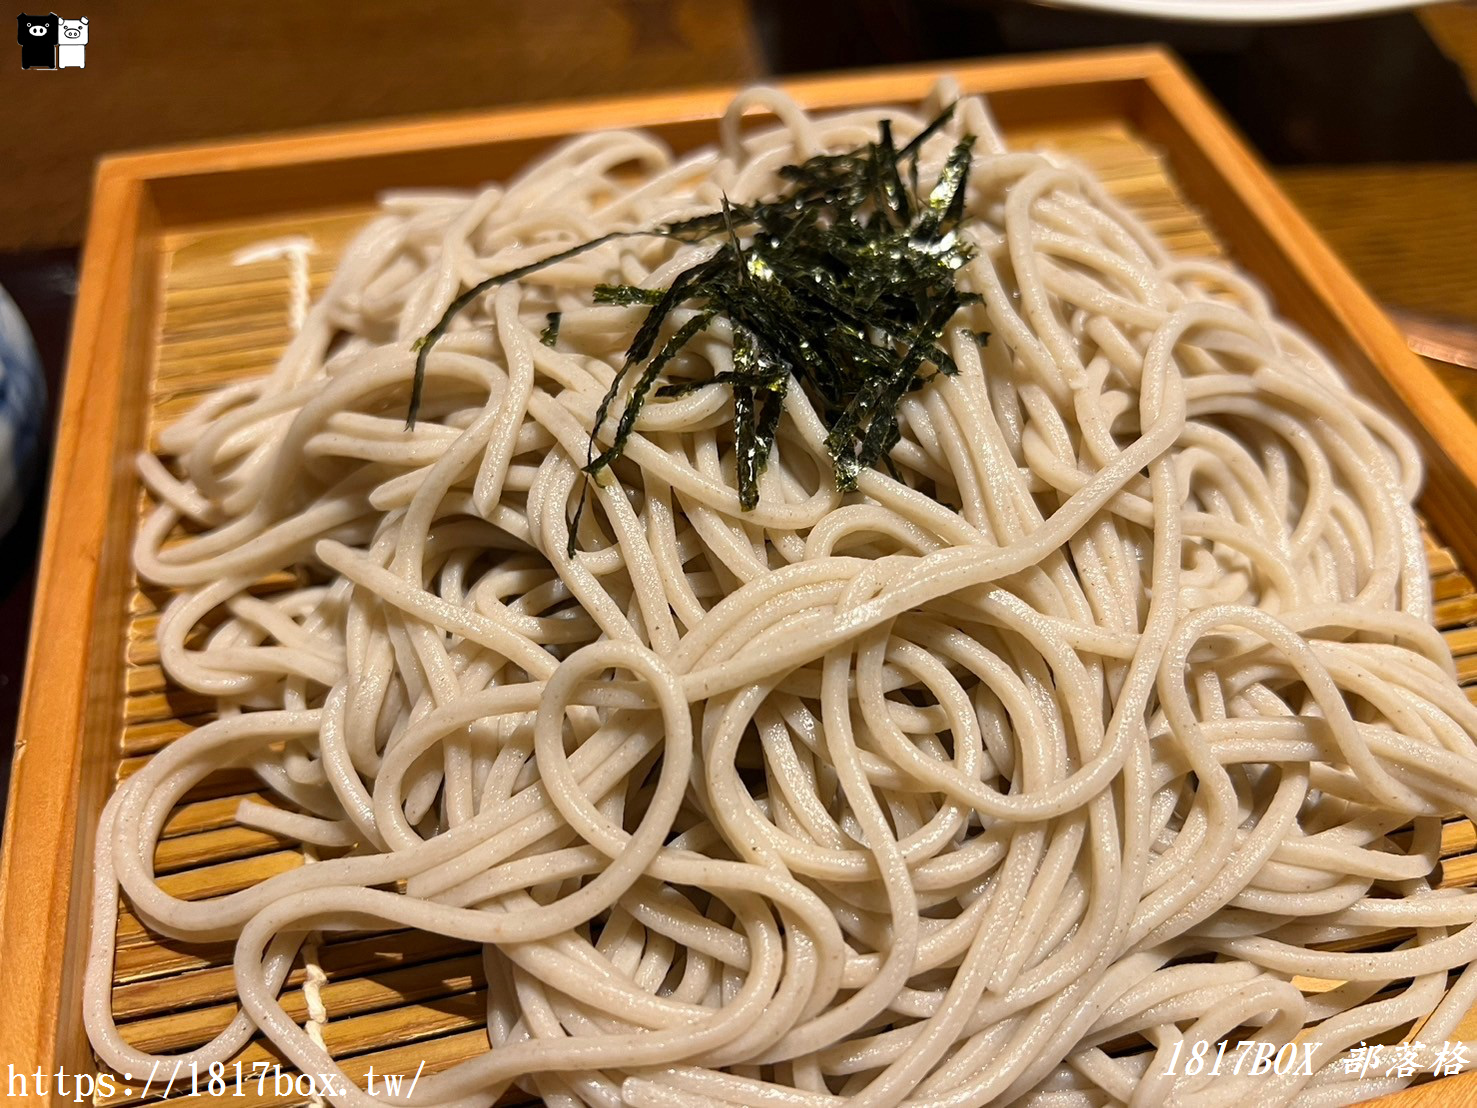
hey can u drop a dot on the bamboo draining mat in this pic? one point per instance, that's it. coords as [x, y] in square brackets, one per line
[395, 1000]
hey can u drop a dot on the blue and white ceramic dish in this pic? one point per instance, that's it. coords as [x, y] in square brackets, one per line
[22, 411]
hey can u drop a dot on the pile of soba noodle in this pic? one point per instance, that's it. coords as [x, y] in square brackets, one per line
[1061, 749]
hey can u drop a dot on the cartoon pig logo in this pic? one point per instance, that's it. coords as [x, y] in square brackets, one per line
[71, 48]
[37, 35]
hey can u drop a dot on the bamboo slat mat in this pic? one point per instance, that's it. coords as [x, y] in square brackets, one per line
[397, 999]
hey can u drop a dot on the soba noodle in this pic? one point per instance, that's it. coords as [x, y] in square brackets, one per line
[1061, 748]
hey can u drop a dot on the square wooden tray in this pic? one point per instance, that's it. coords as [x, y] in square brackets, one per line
[163, 226]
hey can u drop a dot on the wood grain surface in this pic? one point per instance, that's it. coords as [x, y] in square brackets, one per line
[1406, 230]
[1453, 27]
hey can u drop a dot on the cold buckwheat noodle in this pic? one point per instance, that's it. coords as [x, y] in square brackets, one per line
[1007, 778]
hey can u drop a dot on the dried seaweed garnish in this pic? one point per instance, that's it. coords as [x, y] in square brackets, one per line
[843, 283]
[422, 346]
[673, 346]
[626, 295]
[550, 335]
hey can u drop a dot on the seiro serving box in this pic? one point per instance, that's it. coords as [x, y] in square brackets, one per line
[170, 309]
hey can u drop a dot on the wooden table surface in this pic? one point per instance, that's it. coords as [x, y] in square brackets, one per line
[1409, 231]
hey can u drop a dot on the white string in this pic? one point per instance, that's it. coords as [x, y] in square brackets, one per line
[313, 981]
[296, 250]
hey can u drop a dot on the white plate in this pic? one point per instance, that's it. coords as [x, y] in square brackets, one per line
[1240, 11]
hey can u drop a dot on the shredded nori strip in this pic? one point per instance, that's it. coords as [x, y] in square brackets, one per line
[844, 284]
[626, 295]
[551, 333]
[422, 346]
